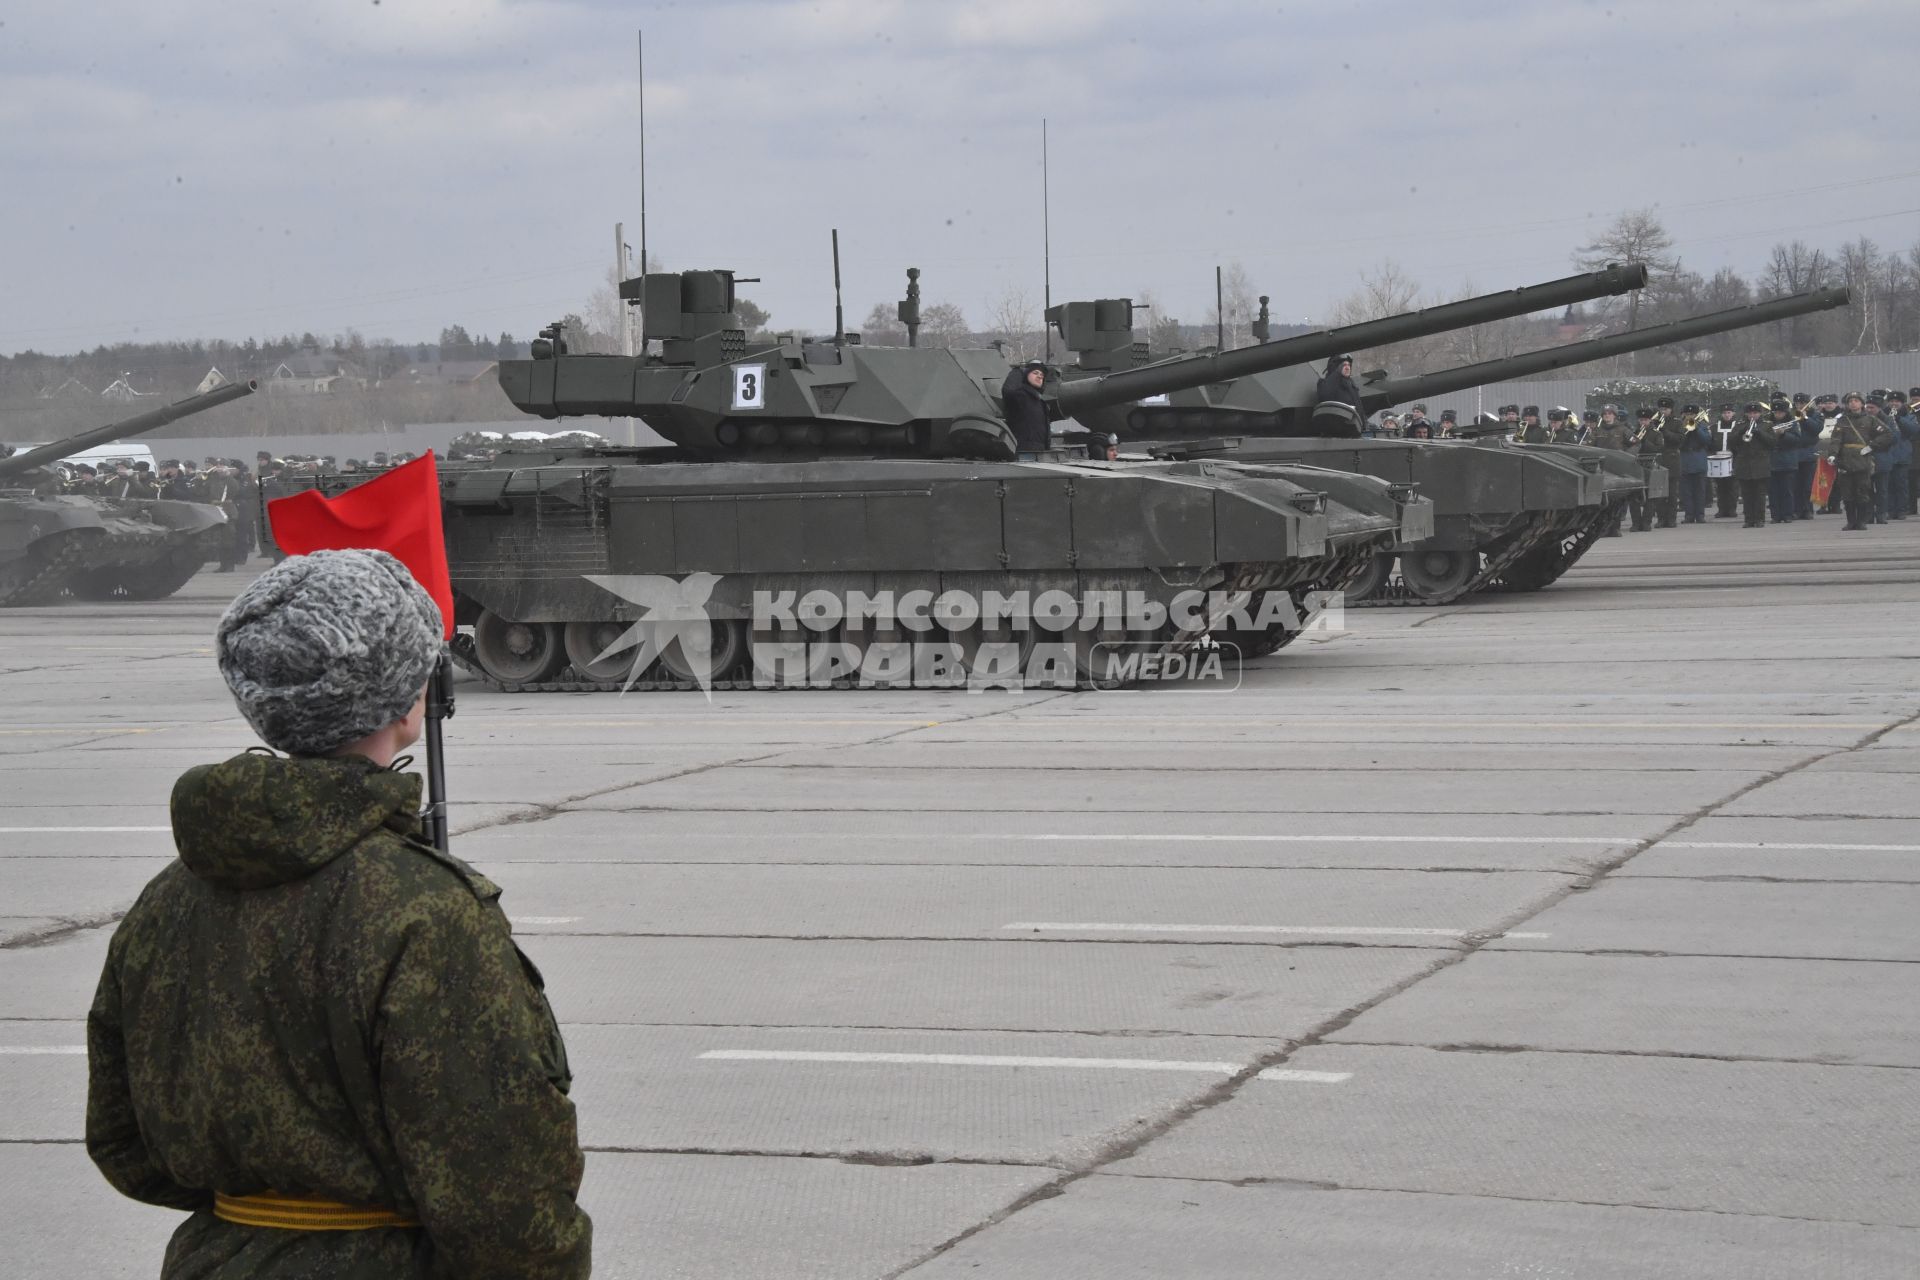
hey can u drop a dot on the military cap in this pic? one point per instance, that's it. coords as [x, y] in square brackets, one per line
[1690, 408]
[1913, 393]
[1531, 411]
[1448, 415]
[1556, 415]
[1665, 402]
[141, 465]
[323, 649]
[1591, 415]
[1852, 395]
[1643, 412]
[1418, 408]
[1877, 400]
[1897, 394]
[1754, 406]
[1801, 397]
[1510, 408]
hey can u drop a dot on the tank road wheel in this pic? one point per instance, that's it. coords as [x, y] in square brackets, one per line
[1098, 654]
[586, 641]
[1367, 583]
[1433, 573]
[728, 645]
[974, 636]
[517, 652]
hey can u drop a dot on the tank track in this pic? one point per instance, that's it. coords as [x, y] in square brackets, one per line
[1562, 553]
[1336, 573]
[44, 582]
[1395, 593]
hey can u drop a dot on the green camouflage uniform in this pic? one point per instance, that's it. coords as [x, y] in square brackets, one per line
[314, 1001]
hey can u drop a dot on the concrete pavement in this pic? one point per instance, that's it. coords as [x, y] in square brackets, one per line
[1564, 934]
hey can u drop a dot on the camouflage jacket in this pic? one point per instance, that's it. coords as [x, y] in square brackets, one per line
[312, 1000]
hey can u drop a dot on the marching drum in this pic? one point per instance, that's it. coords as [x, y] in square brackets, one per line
[1719, 466]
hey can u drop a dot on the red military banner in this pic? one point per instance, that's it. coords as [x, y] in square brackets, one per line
[398, 513]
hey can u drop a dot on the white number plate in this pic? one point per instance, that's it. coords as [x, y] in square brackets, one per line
[749, 386]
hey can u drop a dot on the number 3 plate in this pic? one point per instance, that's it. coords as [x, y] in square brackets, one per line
[749, 386]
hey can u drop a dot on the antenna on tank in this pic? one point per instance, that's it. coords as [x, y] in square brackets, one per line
[839, 318]
[1219, 311]
[640, 52]
[1046, 244]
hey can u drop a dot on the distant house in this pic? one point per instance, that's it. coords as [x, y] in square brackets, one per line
[446, 373]
[119, 389]
[214, 378]
[71, 389]
[312, 373]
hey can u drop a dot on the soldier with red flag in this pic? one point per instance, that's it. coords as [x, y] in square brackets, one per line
[313, 1032]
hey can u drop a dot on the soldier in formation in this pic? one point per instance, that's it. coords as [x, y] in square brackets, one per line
[1858, 434]
[1696, 441]
[1752, 463]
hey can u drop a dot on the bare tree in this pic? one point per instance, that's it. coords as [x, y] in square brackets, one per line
[1863, 269]
[942, 325]
[1633, 237]
[1012, 322]
[882, 327]
[1164, 331]
[1387, 290]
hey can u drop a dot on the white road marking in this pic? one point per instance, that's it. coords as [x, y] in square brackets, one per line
[42, 1048]
[1013, 1060]
[544, 919]
[1788, 844]
[1315, 930]
[1179, 837]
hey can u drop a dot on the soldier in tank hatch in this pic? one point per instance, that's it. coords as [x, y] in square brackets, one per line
[374, 1084]
[1027, 413]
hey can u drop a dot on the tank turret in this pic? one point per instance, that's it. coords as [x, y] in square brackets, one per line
[153, 419]
[714, 397]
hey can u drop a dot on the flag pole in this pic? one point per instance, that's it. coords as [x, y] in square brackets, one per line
[439, 710]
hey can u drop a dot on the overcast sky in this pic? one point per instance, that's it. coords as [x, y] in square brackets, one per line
[192, 169]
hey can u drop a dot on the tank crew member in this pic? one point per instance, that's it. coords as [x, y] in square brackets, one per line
[1785, 462]
[1643, 441]
[1028, 416]
[1752, 462]
[1336, 386]
[1900, 477]
[1696, 441]
[313, 1032]
[1856, 435]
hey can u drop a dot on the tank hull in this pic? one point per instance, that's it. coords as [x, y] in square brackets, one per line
[553, 557]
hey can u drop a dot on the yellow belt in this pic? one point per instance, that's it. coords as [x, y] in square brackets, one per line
[303, 1213]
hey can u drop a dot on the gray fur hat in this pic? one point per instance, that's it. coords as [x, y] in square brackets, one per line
[325, 648]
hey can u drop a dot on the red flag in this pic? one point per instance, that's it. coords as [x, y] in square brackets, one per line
[398, 513]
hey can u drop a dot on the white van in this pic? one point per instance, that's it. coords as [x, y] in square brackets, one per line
[128, 451]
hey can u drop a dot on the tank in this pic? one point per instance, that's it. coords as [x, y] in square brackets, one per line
[797, 468]
[53, 544]
[1508, 517]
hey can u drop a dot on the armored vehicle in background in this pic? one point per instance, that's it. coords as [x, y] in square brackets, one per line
[1509, 517]
[95, 547]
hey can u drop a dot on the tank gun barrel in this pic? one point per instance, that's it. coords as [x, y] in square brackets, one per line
[1192, 371]
[1400, 390]
[138, 424]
